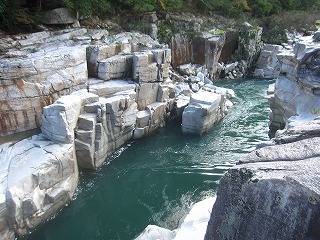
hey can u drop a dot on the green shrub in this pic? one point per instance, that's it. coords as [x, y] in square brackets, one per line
[86, 7]
[8, 14]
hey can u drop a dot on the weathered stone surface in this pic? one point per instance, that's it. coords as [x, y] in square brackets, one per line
[96, 53]
[203, 111]
[268, 65]
[34, 190]
[143, 118]
[157, 111]
[60, 16]
[276, 195]
[208, 43]
[152, 65]
[109, 88]
[85, 140]
[230, 45]
[60, 119]
[181, 50]
[296, 98]
[115, 67]
[250, 43]
[147, 93]
[37, 81]
[104, 127]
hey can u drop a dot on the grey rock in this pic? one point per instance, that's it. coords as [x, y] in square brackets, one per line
[60, 16]
[35, 190]
[316, 36]
[276, 195]
[203, 111]
[60, 119]
[115, 67]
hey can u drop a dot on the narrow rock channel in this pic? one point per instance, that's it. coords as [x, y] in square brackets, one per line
[156, 180]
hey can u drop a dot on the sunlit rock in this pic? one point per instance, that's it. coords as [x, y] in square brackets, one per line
[296, 99]
[39, 178]
[193, 226]
[60, 119]
[204, 110]
[268, 65]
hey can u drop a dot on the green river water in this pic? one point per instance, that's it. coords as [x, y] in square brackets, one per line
[157, 179]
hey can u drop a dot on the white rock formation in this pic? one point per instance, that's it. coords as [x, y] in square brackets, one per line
[34, 77]
[204, 110]
[38, 177]
[60, 119]
[296, 99]
[268, 65]
[193, 227]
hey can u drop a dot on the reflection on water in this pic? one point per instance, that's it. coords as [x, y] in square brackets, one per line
[156, 180]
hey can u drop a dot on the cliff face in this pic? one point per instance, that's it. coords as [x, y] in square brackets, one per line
[274, 192]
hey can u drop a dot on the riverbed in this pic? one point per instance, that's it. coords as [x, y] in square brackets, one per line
[157, 179]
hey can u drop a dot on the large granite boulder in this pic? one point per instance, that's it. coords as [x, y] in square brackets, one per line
[273, 193]
[60, 119]
[204, 110]
[104, 126]
[32, 191]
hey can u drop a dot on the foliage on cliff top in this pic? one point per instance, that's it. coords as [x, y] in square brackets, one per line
[10, 12]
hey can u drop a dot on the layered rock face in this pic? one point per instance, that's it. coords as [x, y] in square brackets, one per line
[36, 70]
[295, 99]
[273, 193]
[214, 48]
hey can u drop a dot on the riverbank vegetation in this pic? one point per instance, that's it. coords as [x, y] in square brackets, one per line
[273, 15]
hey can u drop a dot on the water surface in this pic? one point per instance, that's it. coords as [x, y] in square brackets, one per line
[156, 180]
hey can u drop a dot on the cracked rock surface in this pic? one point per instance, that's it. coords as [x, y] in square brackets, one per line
[38, 177]
[273, 193]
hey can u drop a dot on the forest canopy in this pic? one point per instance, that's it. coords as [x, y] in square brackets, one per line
[11, 13]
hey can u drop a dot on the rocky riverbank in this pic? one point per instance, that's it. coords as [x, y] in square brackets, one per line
[273, 192]
[90, 93]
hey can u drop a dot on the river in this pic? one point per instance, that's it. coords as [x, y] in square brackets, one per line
[157, 179]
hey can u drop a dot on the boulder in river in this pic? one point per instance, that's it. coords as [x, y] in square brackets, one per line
[204, 110]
